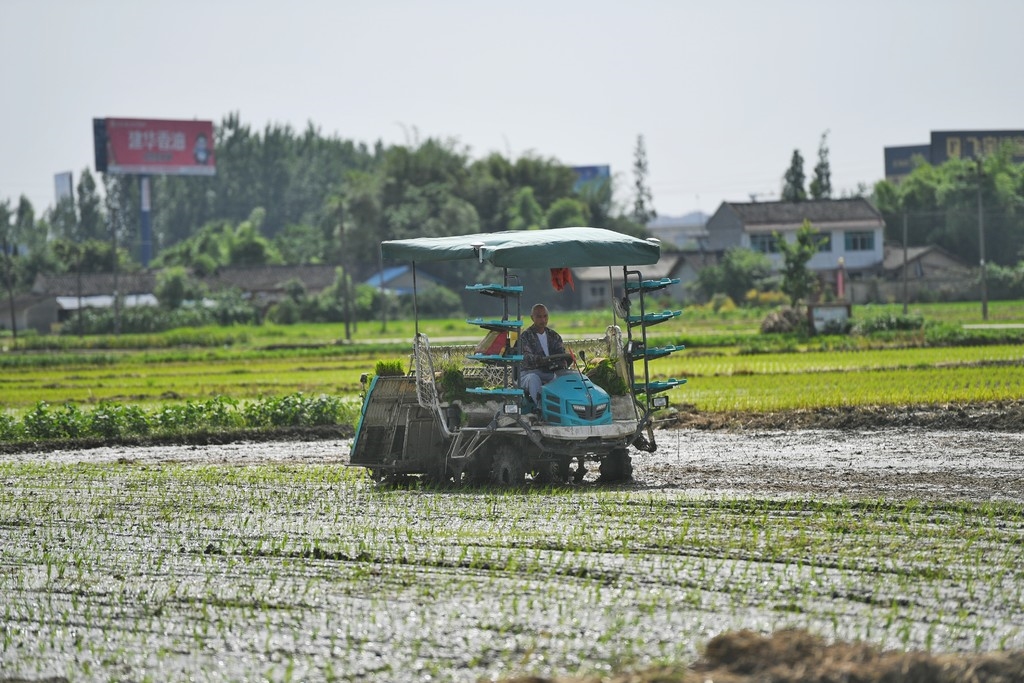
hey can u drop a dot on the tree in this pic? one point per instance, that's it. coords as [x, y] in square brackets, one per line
[793, 181]
[525, 213]
[174, 287]
[821, 184]
[941, 207]
[643, 201]
[797, 281]
[92, 224]
[300, 244]
[7, 251]
[567, 213]
[740, 271]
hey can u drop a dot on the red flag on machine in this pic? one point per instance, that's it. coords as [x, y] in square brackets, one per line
[560, 277]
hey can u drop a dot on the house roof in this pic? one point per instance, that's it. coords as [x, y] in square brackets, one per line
[271, 278]
[818, 212]
[93, 284]
[663, 268]
[894, 256]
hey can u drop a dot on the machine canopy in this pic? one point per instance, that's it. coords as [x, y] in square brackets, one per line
[553, 248]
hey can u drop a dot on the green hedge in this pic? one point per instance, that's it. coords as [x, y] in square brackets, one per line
[113, 421]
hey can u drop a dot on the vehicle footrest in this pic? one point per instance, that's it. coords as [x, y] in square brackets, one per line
[508, 393]
[659, 385]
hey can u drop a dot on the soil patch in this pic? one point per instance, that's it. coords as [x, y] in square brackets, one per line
[991, 416]
[795, 656]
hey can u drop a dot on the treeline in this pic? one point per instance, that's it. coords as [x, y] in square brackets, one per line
[942, 205]
[282, 196]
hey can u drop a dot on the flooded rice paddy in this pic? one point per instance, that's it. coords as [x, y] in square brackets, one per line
[236, 562]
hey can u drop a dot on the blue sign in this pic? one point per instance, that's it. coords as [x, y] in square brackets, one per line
[591, 174]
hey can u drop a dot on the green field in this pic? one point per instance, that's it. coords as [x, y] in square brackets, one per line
[728, 364]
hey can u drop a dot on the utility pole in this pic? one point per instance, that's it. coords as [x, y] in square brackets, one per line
[981, 246]
[904, 261]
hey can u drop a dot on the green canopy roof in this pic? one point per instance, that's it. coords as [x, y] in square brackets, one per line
[554, 248]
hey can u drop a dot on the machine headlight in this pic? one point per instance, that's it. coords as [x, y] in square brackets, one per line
[599, 410]
[581, 411]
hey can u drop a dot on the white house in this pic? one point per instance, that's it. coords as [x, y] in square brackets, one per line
[851, 231]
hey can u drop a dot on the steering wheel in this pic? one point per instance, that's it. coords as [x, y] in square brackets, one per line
[557, 361]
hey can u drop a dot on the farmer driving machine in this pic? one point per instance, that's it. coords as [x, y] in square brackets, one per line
[459, 413]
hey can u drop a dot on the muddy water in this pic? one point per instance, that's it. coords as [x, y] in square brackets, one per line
[890, 464]
[894, 464]
[103, 578]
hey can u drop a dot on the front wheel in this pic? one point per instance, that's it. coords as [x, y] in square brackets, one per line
[553, 472]
[509, 466]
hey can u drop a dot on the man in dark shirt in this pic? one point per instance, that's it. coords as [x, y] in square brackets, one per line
[536, 343]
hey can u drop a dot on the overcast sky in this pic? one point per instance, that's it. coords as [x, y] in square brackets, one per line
[723, 91]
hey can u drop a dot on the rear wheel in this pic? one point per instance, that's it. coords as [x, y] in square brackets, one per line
[509, 467]
[438, 475]
[617, 466]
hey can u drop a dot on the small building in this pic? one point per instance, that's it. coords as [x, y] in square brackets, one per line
[932, 273]
[399, 280]
[851, 231]
[594, 289]
[688, 233]
[55, 298]
[266, 285]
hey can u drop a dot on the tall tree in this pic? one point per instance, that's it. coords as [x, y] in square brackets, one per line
[7, 250]
[92, 225]
[525, 213]
[643, 200]
[793, 182]
[797, 280]
[821, 184]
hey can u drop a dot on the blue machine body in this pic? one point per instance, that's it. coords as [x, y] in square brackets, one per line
[572, 400]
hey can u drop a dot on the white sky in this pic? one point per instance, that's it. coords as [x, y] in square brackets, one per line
[722, 90]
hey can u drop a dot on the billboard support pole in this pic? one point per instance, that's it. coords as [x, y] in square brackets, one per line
[146, 221]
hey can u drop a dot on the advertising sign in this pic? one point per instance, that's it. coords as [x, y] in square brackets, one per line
[154, 147]
[899, 161]
[591, 174]
[974, 144]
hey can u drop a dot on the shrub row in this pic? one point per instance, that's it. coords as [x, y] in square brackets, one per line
[113, 421]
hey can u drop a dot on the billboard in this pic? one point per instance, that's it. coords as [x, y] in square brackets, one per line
[154, 147]
[974, 144]
[590, 174]
[899, 161]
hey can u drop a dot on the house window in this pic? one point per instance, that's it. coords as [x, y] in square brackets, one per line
[860, 241]
[824, 241]
[765, 244]
[596, 292]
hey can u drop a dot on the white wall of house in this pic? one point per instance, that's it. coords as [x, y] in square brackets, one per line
[859, 246]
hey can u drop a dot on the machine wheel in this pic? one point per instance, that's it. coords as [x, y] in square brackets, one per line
[554, 472]
[438, 475]
[581, 470]
[475, 472]
[617, 466]
[383, 477]
[509, 467]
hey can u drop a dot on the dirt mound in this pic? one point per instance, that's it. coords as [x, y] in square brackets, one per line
[991, 416]
[795, 656]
